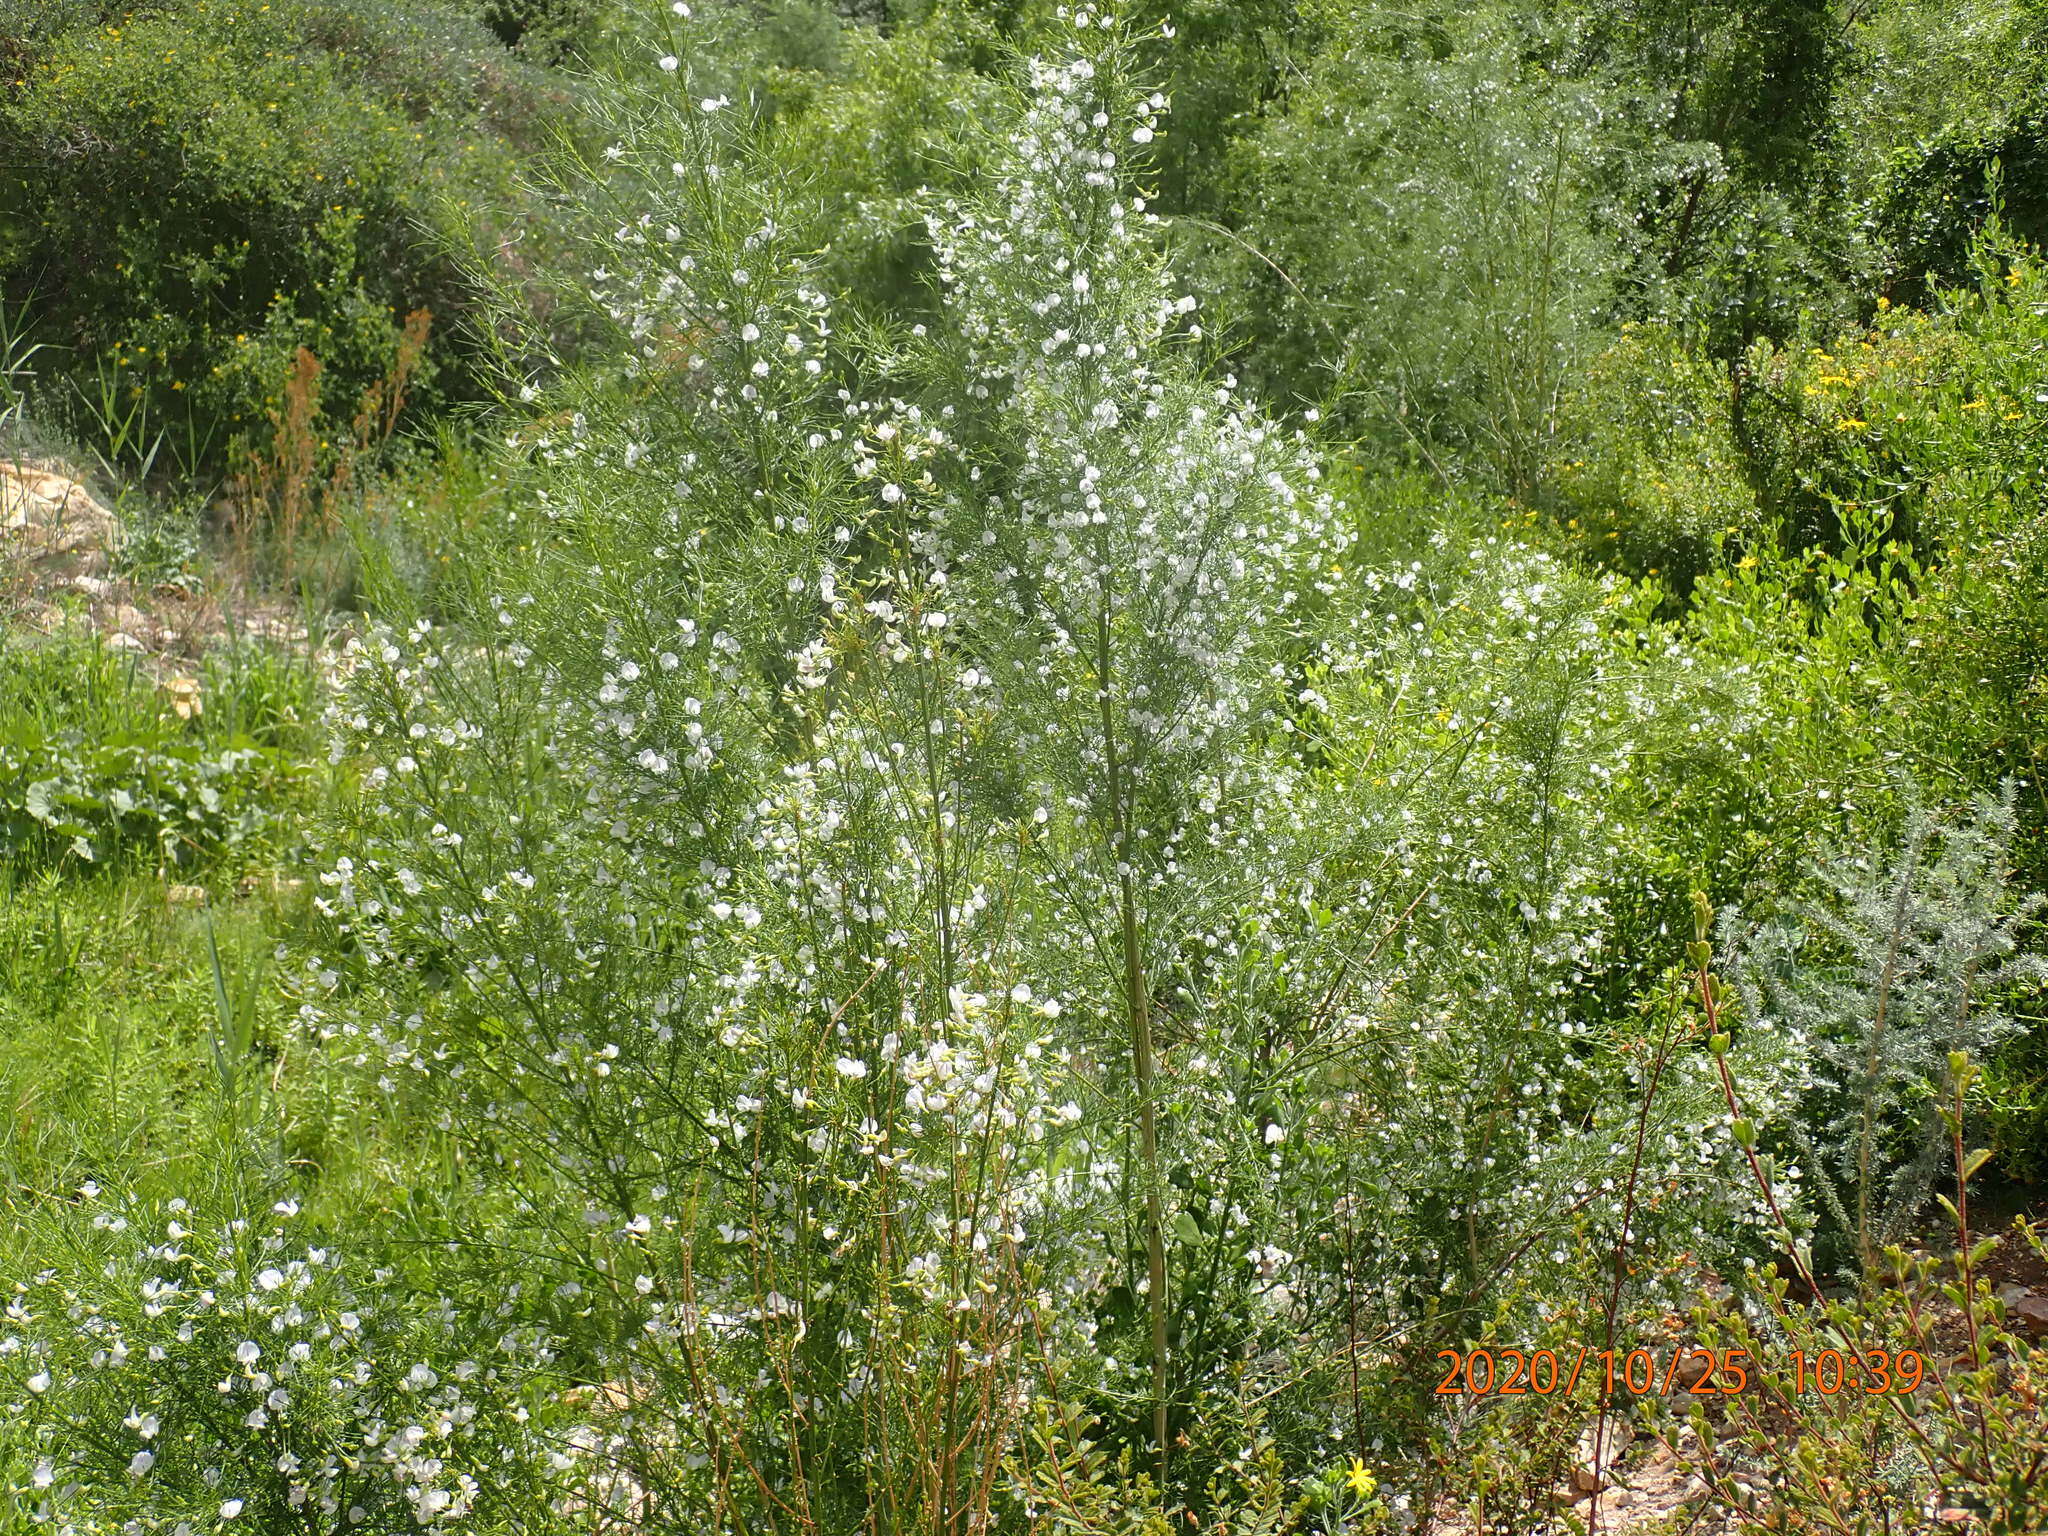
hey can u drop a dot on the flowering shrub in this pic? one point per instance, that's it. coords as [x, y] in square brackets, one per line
[883, 881]
[178, 1370]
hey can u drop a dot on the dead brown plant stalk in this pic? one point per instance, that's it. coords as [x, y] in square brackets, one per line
[282, 489]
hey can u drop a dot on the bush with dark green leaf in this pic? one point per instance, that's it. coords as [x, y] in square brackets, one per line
[191, 193]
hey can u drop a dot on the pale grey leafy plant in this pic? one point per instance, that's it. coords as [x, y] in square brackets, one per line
[1902, 959]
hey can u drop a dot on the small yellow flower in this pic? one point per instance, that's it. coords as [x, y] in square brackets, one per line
[1361, 1482]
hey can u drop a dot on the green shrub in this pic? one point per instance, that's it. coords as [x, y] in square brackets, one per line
[1911, 1393]
[191, 193]
[1412, 241]
[1945, 106]
[1650, 477]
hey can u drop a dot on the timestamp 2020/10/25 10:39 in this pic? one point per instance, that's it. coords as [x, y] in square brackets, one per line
[1697, 1371]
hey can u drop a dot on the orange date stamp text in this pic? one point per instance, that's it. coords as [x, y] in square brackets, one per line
[1696, 1372]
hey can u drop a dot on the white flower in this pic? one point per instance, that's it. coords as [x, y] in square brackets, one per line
[141, 1462]
[248, 1352]
[40, 1382]
[1275, 1133]
[232, 1508]
[849, 1066]
[44, 1474]
[668, 63]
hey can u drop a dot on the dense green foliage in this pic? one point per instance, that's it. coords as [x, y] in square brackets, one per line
[192, 192]
[1097, 728]
[99, 764]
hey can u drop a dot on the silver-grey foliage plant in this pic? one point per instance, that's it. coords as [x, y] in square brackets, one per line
[1900, 961]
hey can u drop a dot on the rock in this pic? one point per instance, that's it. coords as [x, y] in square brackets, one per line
[48, 513]
[1589, 1477]
[1696, 1366]
[126, 642]
[2030, 1313]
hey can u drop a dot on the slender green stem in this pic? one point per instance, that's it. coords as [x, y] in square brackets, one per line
[1138, 1015]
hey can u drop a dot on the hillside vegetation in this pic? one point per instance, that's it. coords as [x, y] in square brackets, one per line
[928, 767]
